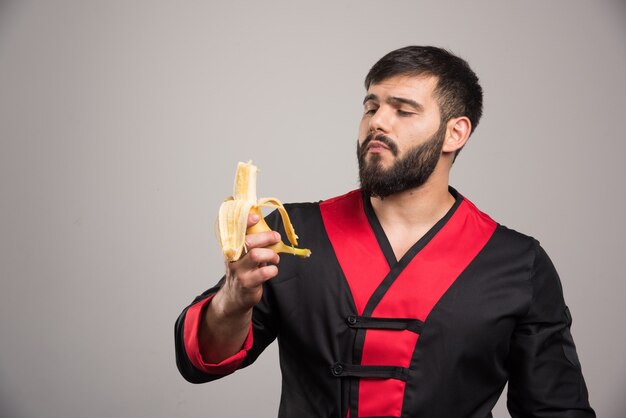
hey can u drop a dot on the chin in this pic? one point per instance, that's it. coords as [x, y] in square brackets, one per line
[378, 155]
[375, 160]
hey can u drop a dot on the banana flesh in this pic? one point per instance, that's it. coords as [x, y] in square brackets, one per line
[233, 217]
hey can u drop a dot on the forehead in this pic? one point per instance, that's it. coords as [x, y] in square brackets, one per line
[420, 88]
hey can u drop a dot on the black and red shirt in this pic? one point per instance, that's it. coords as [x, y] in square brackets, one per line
[437, 333]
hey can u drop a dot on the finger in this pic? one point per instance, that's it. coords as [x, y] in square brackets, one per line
[258, 257]
[255, 258]
[256, 267]
[254, 278]
[253, 218]
[267, 272]
[262, 239]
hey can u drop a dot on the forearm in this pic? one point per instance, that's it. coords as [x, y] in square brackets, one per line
[222, 331]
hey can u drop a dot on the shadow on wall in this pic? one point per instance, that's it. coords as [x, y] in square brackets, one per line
[6, 7]
[8, 408]
[620, 7]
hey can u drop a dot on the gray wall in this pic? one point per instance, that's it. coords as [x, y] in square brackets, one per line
[121, 123]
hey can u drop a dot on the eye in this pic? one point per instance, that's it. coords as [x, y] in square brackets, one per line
[404, 113]
[370, 110]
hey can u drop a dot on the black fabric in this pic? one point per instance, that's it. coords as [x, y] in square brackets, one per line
[503, 319]
[375, 372]
[365, 322]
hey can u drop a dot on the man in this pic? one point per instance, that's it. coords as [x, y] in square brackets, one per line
[414, 303]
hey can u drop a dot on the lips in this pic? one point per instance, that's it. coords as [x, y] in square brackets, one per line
[376, 146]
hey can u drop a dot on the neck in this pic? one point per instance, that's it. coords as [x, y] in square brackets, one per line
[407, 216]
[422, 206]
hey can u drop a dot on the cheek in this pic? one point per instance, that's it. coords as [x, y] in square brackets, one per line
[363, 128]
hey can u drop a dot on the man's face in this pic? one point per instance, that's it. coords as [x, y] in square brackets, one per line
[400, 135]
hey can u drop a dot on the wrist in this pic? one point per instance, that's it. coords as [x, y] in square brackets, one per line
[227, 309]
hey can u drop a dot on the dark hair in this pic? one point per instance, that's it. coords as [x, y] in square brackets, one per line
[458, 91]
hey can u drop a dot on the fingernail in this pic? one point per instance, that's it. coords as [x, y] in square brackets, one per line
[255, 218]
[277, 236]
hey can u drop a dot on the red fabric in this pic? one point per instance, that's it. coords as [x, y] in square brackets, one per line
[378, 351]
[195, 352]
[381, 397]
[413, 294]
[354, 242]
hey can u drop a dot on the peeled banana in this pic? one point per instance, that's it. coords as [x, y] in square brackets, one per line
[233, 217]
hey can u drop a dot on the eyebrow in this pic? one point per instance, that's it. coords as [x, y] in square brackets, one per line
[394, 100]
[370, 97]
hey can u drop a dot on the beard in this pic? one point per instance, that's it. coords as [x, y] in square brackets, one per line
[410, 171]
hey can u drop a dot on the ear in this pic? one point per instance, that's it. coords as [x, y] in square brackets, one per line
[457, 133]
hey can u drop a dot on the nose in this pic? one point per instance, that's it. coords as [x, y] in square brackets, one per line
[380, 121]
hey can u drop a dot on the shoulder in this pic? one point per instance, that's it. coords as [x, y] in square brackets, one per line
[351, 196]
[509, 240]
[302, 207]
[515, 238]
[298, 209]
[515, 254]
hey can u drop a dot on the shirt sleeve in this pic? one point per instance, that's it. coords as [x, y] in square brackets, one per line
[545, 374]
[197, 354]
[190, 356]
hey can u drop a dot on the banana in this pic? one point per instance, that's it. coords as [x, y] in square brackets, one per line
[233, 217]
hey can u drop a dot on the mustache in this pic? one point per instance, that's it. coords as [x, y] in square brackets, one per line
[390, 143]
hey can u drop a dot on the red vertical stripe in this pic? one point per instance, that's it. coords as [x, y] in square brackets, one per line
[361, 259]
